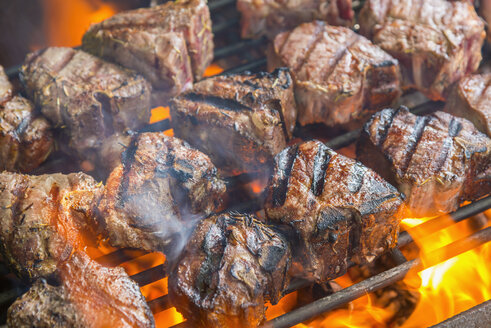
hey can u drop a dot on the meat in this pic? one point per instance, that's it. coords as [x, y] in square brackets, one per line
[89, 296]
[26, 139]
[231, 266]
[89, 99]
[471, 99]
[43, 219]
[437, 42]
[241, 120]
[334, 208]
[270, 17]
[158, 193]
[485, 11]
[437, 160]
[169, 44]
[340, 77]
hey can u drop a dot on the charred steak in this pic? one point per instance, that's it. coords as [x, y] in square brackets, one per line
[241, 121]
[43, 219]
[334, 208]
[437, 160]
[89, 296]
[340, 77]
[26, 139]
[232, 265]
[158, 193]
[471, 99]
[168, 44]
[270, 17]
[436, 42]
[85, 96]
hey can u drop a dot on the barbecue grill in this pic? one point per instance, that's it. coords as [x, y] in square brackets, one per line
[236, 55]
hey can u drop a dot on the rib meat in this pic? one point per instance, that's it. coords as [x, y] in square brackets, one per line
[437, 42]
[241, 120]
[340, 77]
[231, 266]
[333, 207]
[437, 160]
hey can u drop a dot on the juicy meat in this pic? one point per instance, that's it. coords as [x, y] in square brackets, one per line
[161, 189]
[437, 42]
[232, 265]
[43, 219]
[168, 44]
[88, 98]
[334, 208]
[89, 296]
[471, 99]
[241, 121]
[26, 139]
[270, 17]
[340, 77]
[437, 160]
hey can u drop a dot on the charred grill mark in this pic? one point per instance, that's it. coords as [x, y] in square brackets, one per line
[453, 130]
[311, 46]
[413, 141]
[385, 63]
[285, 161]
[321, 162]
[222, 103]
[370, 206]
[340, 54]
[355, 180]
[387, 124]
[21, 128]
[107, 117]
[127, 159]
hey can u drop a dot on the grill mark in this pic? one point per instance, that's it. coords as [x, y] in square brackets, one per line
[221, 103]
[355, 180]
[387, 125]
[369, 206]
[321, 162]
[276, 105]
[127, 159]
[21, 128]
[340, 54]
[453, 130]
[311, 46]
[285, 161]
[414, 139]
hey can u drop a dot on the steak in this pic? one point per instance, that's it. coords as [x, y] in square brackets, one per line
[437, 42]
[270, 17]
[232, 265]
[340, 77]
[168, 44]
[89, 296]
[471, 99]
[436, 160]
[86, 97]
[43, 219]
[157, 194]
[240, 120]
[26, 139]
[334, 209]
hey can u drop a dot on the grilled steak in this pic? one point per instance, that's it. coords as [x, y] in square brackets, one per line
[88, 98]
[485, 11]
[270, 17]
[168, 44]
[437, 42]
[340, 77]
[241, 121]
[43, 219]
[26, 139]
[89, 296]
[336, 209]
[471, 99]
[158, 193]
[231, 266]
[437, 160]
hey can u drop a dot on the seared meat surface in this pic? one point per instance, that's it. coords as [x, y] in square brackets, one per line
[340, 77]
[241, 120]
[436, 42]
[334, 208]
[471, 99]
[162, 187]
[26, 139]
[270, 17]
[85, 96]
[89, 296]
[43, 219]
[232, 265]
[168, 44]
[437, 160]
